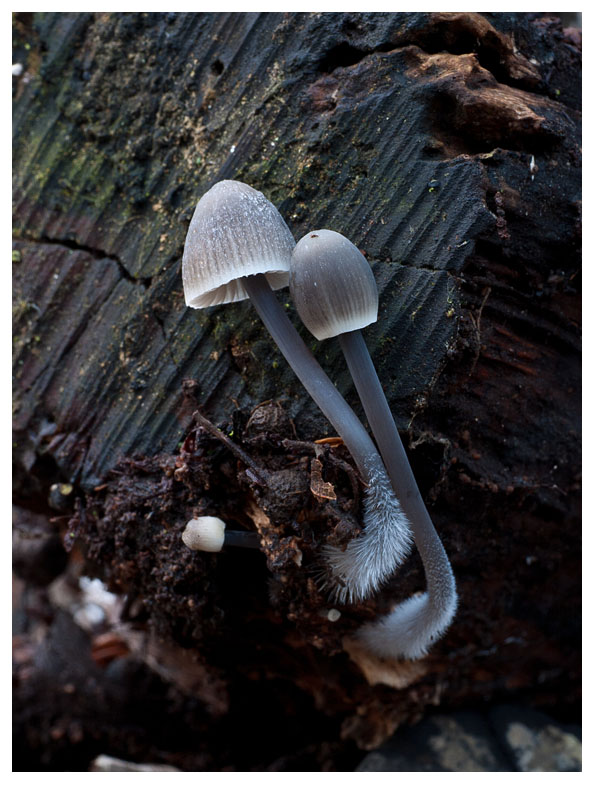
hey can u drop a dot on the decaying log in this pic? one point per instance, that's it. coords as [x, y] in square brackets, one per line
[447, 147]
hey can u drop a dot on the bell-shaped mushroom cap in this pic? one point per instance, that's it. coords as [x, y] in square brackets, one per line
[235, 231]
[204, 534]
[332, 285]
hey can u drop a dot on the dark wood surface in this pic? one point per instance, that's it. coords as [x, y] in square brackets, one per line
[447, 147]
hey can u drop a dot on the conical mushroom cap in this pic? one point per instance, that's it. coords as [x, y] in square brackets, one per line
[332, 285]
[235, 231]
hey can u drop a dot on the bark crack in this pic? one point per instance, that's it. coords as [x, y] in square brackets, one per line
[96, 253]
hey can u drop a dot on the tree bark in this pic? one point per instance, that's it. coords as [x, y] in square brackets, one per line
[447, 147]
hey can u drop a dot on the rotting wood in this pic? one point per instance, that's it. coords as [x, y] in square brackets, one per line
[447, 147]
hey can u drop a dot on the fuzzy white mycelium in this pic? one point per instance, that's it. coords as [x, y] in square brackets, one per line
[370, 559]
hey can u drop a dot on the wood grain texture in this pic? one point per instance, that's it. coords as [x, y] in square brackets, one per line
[116, 152]
[447, 148]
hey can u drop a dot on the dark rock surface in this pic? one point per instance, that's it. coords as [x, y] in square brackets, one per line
[505, 738]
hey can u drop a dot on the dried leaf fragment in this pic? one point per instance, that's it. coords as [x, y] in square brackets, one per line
[320, 488]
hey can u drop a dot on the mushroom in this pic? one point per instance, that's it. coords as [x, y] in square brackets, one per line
[239, 246]
[209, 534]
[335, 294]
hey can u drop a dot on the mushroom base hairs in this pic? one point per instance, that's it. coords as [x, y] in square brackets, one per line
[362, 567]
[429, 617]
[373, 557]
[410, 629]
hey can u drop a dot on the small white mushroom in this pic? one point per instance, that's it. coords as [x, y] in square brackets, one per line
[204, 534]
[209, 534]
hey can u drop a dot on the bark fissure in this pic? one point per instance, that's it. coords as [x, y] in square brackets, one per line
[96, 253]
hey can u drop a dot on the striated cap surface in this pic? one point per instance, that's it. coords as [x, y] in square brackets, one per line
[332, 285]
[204, 534]
[235, 231]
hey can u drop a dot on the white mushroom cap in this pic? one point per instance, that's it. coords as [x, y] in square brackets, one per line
[204, 534]
[332, 285]
[235, 231]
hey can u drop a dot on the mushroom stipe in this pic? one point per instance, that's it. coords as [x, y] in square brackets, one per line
[417, 622]
[335, 295]
[238, 246]
[368, 560]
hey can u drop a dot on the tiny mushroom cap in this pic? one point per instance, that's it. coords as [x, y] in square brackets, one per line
[235, 232]
[204, 534]
[332, 285]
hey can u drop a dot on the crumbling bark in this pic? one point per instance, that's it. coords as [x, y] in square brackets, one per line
[446, 146]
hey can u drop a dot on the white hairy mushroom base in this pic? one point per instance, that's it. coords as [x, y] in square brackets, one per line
[411, 628]
[368, 560]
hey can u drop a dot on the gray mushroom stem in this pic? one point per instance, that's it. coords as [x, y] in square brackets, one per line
[372, 557]
[239, 246]
[305, 366]
[417, 622]
[335, 294]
